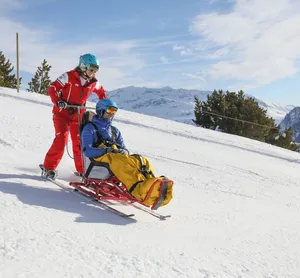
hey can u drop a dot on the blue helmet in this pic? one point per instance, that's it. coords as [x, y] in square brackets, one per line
[88, 60]
[103, 105]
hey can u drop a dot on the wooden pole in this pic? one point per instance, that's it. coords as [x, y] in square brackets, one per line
[18, 64]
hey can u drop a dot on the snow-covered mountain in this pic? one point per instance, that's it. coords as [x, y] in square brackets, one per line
[292, 119]
[275, 110]
[175, 104]
[167, 103]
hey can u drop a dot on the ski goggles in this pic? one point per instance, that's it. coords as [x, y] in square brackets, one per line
[93, 69]
[111, 110]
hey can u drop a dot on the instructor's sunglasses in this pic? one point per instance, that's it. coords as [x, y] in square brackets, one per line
[93, 69]
[111, 110]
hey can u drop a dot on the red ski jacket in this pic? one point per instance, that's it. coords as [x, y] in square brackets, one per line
[68, 87]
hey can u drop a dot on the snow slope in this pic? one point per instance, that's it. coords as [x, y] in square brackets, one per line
[235, 211]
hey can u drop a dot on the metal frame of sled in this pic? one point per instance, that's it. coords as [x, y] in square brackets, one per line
[100, 184]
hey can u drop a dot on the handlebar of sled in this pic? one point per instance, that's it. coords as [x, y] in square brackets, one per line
[80, 106]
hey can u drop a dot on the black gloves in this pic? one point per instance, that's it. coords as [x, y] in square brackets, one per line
[62, 104]
[112, 150]
[123, 151]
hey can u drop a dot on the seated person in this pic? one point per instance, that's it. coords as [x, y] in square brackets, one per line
[104, 143]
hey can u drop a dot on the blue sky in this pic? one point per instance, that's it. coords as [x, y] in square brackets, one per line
[252, 45]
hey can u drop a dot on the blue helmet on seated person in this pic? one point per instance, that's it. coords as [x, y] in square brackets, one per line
[106, 105]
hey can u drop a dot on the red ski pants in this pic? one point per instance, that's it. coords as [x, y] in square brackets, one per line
[64, 124]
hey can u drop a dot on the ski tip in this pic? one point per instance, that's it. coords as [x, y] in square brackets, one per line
[164, 217]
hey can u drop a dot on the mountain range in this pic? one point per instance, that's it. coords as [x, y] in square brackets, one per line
[176, 104]
[292, 119]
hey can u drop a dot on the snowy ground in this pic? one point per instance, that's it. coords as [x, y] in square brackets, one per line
[235, 211]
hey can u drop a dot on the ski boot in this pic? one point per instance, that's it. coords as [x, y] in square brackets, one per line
[48, 174]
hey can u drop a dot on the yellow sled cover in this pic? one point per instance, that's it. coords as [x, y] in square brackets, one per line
[145, 187]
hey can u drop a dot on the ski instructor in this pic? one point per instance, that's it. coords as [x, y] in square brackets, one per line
[71, 88]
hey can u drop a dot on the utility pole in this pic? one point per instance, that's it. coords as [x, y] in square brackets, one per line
[18, 64]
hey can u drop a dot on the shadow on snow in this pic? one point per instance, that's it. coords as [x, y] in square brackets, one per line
[58, 199]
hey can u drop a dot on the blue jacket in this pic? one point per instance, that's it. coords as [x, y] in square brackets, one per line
[89, 136]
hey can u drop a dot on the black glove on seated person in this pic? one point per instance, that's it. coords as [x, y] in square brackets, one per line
[112, 150]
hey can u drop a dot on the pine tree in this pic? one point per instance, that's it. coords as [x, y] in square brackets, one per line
[7, 79]
[231, 113]
[283, 139]
[273, 135]
[41, 81]
[204, 110]
[236, 114]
